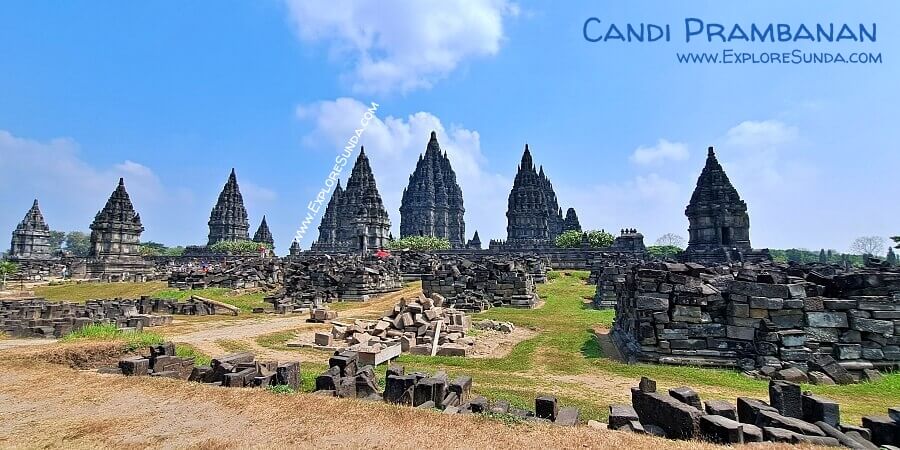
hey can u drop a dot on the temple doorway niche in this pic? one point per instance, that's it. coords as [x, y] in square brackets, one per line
[726, 235]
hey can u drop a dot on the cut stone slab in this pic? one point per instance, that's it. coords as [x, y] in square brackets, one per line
[686, 395]
[773, 419]
[785, 397]
[621, 415]
[721, 408]
[721, 430]
[546, 407]
[820, 409]
[567, 416]
[749, 408]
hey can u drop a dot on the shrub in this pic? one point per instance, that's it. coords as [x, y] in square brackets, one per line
[663, 251]
[596, 239]
[419, 243]
[238, 247]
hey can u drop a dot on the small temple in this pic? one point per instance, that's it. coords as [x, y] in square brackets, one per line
[263, 235]
[228, 219]
[719, 224]
[571, 221]
[31, 238]
[474, 243]
[432, 203]
[355, 219]
[116, 239]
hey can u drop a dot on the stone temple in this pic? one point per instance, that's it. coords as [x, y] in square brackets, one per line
[263, 235]
[355, 219]
[571, 221]
[116, 239]
[31, 238]
[432, 203]
[228, 219]
[719, 224]
[534, 218]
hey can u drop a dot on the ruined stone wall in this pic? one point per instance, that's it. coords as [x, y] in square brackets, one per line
[766, 318]
[242, 273]
[476, 286]
[311, 279]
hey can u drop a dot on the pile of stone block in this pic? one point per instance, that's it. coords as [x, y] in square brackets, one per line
[314, 279]
[421, 326]
[774, 321]
[37, 270]
[346, 377]
[37, 317]
[790, 416]
[476, 286]
[494, 325]
[234, 370]
[242, 273]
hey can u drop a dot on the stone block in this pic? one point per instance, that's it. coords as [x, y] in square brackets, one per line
[785, 397]
[872, 325]
[621, 415]
[884, 430]
[546, 407]
[752, 433]
[847, 351]
[647, 303]
[721, 430]
[741, 333]
[773, 419]
[721, 408]
[478, 405]
[759, 289]
[678, 420]
[461, 386]
[827, 319]
[748, 409]
[288, 374]
[766, 303]
[686, 395]
[567, 416]
[134, 366]
[827, 365]
[844, 440]
[825, 335]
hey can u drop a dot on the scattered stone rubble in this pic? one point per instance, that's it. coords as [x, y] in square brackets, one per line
[476, 286]
[786, 322]
[790, 416]
[420, 326]
[39, 318]
[326, 278]
[234, 370]
[347, 377]
[265, 273]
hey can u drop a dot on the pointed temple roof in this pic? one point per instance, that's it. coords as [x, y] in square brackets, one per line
[34, 220]
[228, 218]
[714, 190]
[571, 221]
[263, 235]
[118, 209]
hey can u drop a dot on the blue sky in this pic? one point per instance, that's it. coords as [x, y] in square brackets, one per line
[171, 95]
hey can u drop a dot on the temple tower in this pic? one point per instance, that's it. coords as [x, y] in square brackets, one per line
[571, 221]
[263, 235]
[719, 224]
[228, 219]
[116, 231]
[432, 203]
[31, 238]
[527, 208]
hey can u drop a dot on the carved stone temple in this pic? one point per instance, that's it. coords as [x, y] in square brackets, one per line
[355, 219]
[116, 239]
[432, 203]
[228, 219]
[263, 235]
[534, 218]
[31, 238]
[719, 224]
[571, 221]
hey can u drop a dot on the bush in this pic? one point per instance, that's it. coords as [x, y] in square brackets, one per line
[419, 243]
[238, 247]
[664, 251]
[572, 239]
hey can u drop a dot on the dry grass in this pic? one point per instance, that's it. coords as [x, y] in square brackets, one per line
[75, 409]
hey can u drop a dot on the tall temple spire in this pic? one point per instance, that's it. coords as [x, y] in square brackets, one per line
[31, 238]
[228, 219]
[355, 218]
[263, 235]
[571, 222]
[432, 202]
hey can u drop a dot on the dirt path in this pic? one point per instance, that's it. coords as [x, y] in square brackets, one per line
[81, 409]
[14, 343]
[243, 332]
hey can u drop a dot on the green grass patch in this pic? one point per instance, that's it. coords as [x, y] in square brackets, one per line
[232, 346]
[245, 302]
[80, 292]
[134, 340]
[189, 351]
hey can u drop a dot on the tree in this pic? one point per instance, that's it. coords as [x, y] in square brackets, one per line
[78, 243]
[595, 239]
[419, 243]
[896, 240]
[238, 247]
[151, 248]
[822, 258]
[57, 238]
[7, 268]
[868, 245]
[670, 239]
[663, 251]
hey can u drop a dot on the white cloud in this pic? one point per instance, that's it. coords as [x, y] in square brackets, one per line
[393, 145]
[662, 151]
[401, 45]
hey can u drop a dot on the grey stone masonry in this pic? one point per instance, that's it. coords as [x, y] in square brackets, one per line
[228, 218]
[31, 238]
[432, 203]
[263, 235]
[781, 322]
